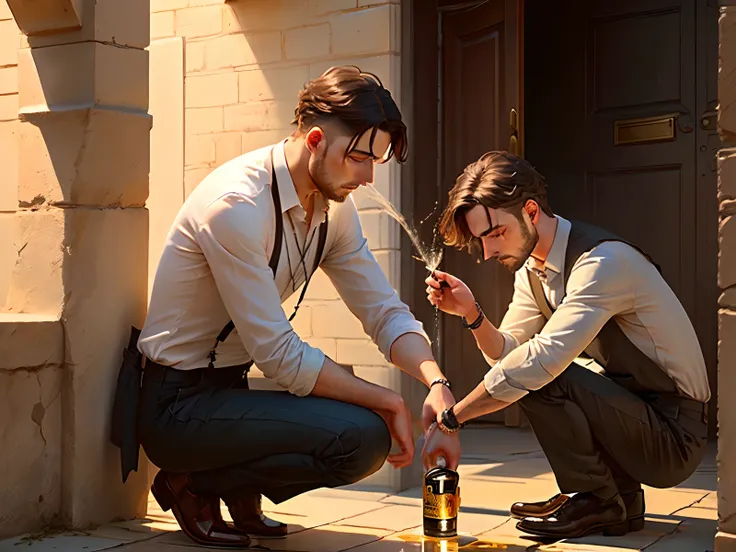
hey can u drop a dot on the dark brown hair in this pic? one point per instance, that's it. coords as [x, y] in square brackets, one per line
[498, 180]
[358, 102]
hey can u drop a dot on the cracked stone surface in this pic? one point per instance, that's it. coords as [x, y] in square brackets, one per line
[30, 429]
[500, 466]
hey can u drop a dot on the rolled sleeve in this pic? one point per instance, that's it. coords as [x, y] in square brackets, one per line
[509, 344]
[363, 286]
[500, 388]
[233, 236]
[598, 288]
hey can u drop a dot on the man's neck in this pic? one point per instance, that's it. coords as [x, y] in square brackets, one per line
[546, 229]
[297, 161]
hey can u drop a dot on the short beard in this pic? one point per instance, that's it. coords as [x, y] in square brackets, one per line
[321, 182]
[531, 238]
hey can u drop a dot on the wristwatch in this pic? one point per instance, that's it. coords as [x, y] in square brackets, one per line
[449, 421]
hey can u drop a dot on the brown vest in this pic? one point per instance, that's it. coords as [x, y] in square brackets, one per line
[624, 362]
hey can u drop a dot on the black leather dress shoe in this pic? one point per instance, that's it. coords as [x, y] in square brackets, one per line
[635, 508]
[520, 510]
[245, 509]
[634, 503]
[583, 514]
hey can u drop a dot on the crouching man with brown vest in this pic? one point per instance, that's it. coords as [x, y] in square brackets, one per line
[635, 412]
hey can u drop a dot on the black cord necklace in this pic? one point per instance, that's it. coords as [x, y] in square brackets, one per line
[302, 255]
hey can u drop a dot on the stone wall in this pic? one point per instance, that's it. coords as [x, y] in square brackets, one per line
[726, 537]
[73, 182]
[245, 63]
[9, 43]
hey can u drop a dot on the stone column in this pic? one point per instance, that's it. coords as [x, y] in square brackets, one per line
[726, 538]
[82, 226]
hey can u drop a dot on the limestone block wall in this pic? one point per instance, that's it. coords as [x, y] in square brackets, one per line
[31, 345]
[9, 42]
[245, 63]
[726, 538]
[74, 165]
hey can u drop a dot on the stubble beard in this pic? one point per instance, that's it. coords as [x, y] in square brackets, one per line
[319, 177]
[531, 238]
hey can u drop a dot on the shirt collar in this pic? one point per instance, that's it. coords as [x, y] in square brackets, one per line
[555, 262]
[287, 190]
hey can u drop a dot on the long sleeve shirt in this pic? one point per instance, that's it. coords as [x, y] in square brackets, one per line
[612, 280]
[214, 268]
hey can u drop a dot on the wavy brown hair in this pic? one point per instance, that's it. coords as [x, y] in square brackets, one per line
[498, 180]
[357, 102]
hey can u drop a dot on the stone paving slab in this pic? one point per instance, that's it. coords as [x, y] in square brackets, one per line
[500, 466]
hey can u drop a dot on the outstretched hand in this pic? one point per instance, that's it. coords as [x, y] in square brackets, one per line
[453, 298]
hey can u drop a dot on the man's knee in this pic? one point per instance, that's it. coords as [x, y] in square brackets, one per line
[559, 387]
[365, 443]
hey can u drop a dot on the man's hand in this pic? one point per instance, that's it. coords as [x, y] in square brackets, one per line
[438, 399]
[441, 444]
[398, 420]
[456, 299]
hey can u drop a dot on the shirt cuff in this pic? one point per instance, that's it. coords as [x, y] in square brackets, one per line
[309, 370]
[509, 344]
[500, 388]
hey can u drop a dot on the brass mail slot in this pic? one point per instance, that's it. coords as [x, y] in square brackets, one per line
[644, 130]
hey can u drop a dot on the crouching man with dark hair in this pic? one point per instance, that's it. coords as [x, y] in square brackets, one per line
[245, 240]
[640, 417]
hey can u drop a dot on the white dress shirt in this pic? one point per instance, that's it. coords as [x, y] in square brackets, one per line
[214, 268]
[611, 280]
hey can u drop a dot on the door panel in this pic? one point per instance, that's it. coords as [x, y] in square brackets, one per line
[475, 106]
[466, 76]
[605, 67]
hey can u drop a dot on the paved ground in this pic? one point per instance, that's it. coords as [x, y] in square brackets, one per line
[499, 467]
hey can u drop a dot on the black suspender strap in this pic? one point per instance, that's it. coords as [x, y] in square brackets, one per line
[273, 262]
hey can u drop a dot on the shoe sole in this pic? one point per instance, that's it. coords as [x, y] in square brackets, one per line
[166, 500]
[616, 530]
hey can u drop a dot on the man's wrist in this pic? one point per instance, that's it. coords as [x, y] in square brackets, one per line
[448, 421]
[446, 397]
[391, 402]
[471, 311]
[475, 320]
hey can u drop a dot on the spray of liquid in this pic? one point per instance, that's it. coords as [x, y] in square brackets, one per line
[431, 256]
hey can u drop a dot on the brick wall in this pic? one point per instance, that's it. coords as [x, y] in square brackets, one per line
[245, 62]
[9, 44]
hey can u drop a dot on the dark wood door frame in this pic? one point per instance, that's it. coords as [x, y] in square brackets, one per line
[424, 192]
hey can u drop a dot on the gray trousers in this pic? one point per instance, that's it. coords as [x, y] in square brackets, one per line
[233, 439]
[601, 438]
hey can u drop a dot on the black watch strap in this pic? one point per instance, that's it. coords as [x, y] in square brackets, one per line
[449, 420]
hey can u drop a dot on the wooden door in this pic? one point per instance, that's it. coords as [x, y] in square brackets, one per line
[477, 51]
[617, 93]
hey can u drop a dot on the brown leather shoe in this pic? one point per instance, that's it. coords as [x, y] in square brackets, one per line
[583, 514]
[520, 510]
[248, 516]
[198, 516]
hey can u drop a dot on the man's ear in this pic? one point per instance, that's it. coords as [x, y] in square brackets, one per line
[532, 209]
[315, 139]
